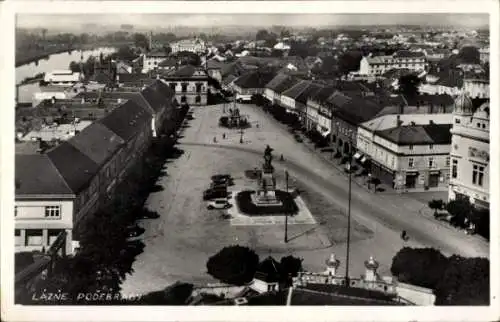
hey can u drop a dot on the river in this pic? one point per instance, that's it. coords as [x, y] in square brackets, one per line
[56, 61]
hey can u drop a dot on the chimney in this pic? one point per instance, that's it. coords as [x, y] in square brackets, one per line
[371, 266]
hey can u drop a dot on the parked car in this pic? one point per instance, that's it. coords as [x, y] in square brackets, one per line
[220, 176]
[218, 204]
[149, 215]
[222, 181]
[215, 193]
[135, 231]
[218, 185]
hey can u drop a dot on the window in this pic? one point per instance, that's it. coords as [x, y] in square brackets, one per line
[431, 162]
[184, 87]
[411, 147]
[198, 88]
[457, 121]
[484, 126]
[447, 161]
[15, 211]
[173, 85]
[477, 174]
[478, 124]
[34, 237]
[53, 211]
[410, 163]
[431, 146]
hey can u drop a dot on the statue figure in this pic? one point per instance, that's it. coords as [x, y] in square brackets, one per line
[268, 157]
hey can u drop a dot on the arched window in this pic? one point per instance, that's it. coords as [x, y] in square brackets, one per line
[198, 99]
[183, 99]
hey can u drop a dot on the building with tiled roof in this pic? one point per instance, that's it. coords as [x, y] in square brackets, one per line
[278, 85]
[407, 151]
[289, 96]
[73, 179]
[152, 59]
[190, 84]
[252, 82]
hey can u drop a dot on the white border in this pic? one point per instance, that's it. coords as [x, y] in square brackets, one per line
[7, 72]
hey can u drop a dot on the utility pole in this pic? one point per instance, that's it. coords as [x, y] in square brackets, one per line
[286, 213]
[349, 215]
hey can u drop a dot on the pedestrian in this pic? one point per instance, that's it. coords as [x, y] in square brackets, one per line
[223, 135]
[404, 236]
[281, 158]
[215, 139]
[257, 125]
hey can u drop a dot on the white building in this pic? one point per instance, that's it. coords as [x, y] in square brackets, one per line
[62, 78]
[477, 87]
[378, 65]
[193, 45]
[470, 152]
[152, 59]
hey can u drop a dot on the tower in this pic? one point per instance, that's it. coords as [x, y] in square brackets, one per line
[332, 264]
[371, 266]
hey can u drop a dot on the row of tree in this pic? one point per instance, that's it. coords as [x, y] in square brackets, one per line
[464, 215]
[237, 265]
[106, 252]
[456, 280]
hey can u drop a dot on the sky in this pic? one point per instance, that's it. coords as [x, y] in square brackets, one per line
[217, 20]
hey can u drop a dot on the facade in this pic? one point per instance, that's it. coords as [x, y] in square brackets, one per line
[44, 204]
[195, 46]
[152, 59]
[477, 87]
[378, 65]
[189, 83]
[407, 152]
[62, 78]
[280, 83]
[484, 54]
[252, 83]
[470, 154]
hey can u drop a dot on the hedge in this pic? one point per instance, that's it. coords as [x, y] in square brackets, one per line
[246, 205]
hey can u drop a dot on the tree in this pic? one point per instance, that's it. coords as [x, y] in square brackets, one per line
[465, 282]
[74, 67]
[408, 85]
[419, 266]
[124, 53]
[233, 265]
[436, 205]
[262, 34]
[290, 266]
[140, 40]
[349, 62]
[469, 55]
[461, 211]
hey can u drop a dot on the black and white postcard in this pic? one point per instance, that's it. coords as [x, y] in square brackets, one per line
[213, 160]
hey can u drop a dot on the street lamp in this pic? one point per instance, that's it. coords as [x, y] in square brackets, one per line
[369, 180]
[349, 211]
[286, 213]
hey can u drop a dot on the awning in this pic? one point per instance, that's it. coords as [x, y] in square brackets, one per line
[434, 172]
[357, 155]
[363, 159]
[411, 173]
[325, 134]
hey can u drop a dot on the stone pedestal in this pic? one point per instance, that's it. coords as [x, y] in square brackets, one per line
[266, 195]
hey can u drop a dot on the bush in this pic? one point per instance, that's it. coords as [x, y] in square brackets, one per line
[419, 266]
[233, 265]
[465, 282]
[176, 294]
[245, 204]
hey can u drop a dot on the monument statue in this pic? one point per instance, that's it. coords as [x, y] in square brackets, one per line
[268, 158]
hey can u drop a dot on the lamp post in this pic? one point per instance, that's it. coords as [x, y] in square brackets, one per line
[349, 213]
[286, 213]
[369, 180]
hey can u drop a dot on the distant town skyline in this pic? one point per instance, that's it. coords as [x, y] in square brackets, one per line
[73, 21]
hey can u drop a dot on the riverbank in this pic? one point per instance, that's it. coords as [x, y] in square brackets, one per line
[27, 57]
